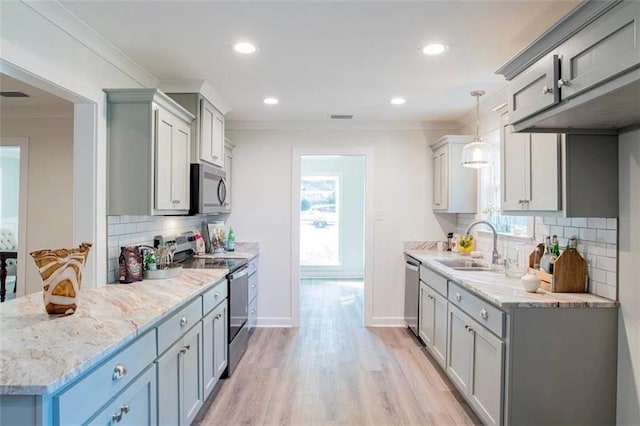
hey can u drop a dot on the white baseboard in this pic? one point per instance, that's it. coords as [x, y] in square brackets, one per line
[284, 322]
[388, 322]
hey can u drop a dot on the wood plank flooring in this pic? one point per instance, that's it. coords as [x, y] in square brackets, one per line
[333, 371]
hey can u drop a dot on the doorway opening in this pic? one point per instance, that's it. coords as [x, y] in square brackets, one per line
[331, 267]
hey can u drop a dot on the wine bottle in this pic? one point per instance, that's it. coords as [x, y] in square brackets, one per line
[545, 260]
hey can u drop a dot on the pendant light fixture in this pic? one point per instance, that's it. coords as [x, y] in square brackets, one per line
[476, 154]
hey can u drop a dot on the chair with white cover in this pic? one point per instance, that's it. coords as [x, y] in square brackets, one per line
[8, 244]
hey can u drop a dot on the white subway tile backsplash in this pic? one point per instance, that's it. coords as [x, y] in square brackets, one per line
[606, 263]
[612, 223]
[556, 230]
[597, 222]
[605, 290]
[113, 219]
[612, 250]
[563, 221]
[549, 220]
[570, 232]
[606, 236]
[588, 234]
[599, 275]
[579, 222]
[612, 278]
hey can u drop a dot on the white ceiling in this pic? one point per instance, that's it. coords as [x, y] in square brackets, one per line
[38, 99]
[327, 57]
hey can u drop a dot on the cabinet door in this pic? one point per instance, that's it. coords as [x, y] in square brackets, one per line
[458, 349]
[427, 315]
[169, 386]
[135, 406]
[211, 134]
[543, 181]
[228, 168]
[191, 366]
[607, 47]
[440, 179]
[220, 344]
[439, 348]
[208, 338]
[172, 162]
[534, 90]
[485, 387]
[515, 165]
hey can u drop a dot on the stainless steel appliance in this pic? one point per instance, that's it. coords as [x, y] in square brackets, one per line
[411, 293]
[208, 190]
[237, 283]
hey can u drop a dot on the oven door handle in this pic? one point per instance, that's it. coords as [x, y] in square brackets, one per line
[239, 273]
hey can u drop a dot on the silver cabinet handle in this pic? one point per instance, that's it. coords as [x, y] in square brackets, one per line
[117, 417]
[458, 297]
[253, 312]
[484, 314]
[215, 157]
[125, 408]
[253, 285]
[183, 321]
[215, 296]
[217, 317]
[562, 82]
[119, 371]
[466, 327]
[470, 330]
[184, 349]
[546, 90]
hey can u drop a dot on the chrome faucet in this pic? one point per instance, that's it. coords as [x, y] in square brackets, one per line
[494, 256]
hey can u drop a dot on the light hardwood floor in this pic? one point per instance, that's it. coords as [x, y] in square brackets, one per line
[334, 371]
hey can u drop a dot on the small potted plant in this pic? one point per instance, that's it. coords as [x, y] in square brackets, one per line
[150, 260]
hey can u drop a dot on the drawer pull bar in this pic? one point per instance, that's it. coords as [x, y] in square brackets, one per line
[484, 314]
[119, 371]
[183, 321]
[458, 297]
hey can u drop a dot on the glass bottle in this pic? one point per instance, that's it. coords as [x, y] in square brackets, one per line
[545, 261]
[556, 246]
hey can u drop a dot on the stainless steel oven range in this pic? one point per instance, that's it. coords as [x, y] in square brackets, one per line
[237, 283]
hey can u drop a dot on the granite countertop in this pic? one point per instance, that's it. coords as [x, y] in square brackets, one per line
[504, 291]
[40, 353]
[243, 250]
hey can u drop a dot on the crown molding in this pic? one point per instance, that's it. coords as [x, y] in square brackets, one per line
[341, 125]
[67, 21]
[196, 86]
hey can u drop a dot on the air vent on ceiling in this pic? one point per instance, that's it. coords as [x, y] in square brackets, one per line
[13, 95]
[341, 116]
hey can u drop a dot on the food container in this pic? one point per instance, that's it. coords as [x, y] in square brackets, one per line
[530, 283]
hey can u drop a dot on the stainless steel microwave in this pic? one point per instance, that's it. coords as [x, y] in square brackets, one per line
[208, 190]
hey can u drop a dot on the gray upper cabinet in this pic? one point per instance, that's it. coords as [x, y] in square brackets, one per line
[454, 186]
[583, 73]
[148, 153]
[207, 143]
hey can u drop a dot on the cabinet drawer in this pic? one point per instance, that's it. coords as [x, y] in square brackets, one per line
[82, 400]
[253, 315]
[214, 296]
[481, 311]
[171, 330]
[434, 280]
[253, 286]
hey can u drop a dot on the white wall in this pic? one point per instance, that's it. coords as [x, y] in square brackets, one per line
[50, 185]
[628, 411]
[262, 207]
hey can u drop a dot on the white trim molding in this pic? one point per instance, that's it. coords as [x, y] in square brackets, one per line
[274, 322]
[369, 230]
[447, 126]
[196, 86]
[388, 322]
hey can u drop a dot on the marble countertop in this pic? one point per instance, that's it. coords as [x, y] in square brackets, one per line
[40, 353]
[504, 291]
[243, 250]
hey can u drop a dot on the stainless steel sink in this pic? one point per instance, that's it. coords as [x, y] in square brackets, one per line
[463, 264]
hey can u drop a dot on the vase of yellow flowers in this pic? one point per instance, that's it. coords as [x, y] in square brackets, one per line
[466, 243]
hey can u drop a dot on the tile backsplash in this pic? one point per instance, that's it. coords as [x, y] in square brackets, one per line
[140, 230]
[597, 243]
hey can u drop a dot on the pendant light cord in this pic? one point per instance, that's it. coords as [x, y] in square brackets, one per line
[477, 116]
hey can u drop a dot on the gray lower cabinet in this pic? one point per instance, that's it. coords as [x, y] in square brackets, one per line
[252, 308]
[180, 390]
[215, 331]
[136, 406]
[475, 365]
[432, 326]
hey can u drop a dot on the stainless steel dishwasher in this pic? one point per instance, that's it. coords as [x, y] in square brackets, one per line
[411, 293]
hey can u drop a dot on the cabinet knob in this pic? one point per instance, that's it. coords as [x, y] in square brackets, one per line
[184, 349]
[562, 82]
[218, 317]
[183, 321]
[466, 327]
[117, 417]
[484, 314]
[253, 286]
[546, 90]
[458, 297]
[215, 296]
[253, 312]
[215, 157]
[125, 409]
[119, 371]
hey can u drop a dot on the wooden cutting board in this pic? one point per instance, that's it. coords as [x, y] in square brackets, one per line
[569, 273]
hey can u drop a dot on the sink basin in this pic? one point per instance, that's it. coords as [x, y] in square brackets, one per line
[463, 264]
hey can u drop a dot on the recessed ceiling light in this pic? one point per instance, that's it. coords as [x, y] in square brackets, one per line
[244, 47]
[398, 101]
[270, 101]
[435, 49]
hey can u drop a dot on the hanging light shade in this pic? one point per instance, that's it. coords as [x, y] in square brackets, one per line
[477, 153]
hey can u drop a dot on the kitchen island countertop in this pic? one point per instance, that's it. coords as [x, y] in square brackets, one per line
[40, 353]
[504, 291]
